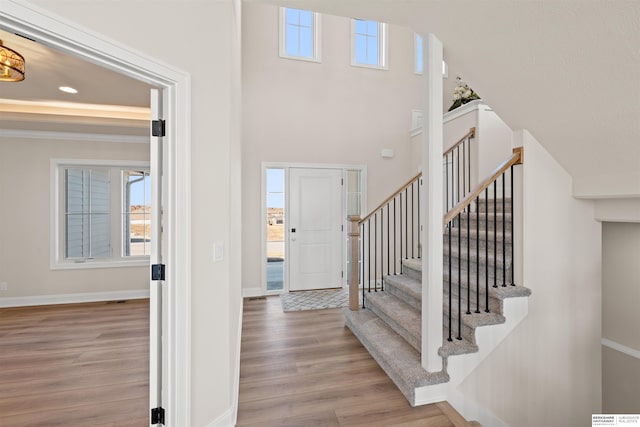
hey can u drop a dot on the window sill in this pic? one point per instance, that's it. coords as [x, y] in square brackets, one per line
[301, 58]
[70, 265]
[373, 67]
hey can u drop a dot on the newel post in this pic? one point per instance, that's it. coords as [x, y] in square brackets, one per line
[354, 238]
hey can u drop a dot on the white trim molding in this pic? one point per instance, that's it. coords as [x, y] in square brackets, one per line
[73, 298]
[72, 136]
[621, 348]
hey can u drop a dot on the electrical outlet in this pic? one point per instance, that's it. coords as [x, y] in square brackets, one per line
[4, 286]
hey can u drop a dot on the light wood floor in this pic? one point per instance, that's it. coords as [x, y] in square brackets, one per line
[75, 365]
[306, 369]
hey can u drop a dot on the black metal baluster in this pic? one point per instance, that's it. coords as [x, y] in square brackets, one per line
[412, 221]
[457, 178]
[464, 171]
[468, 261]
[419, 224]
[388, 240]
[450, 279]
[375, 252]
[400, 233]
[382, 248]
[495, 235]
[406, 223]
[512, 236]
[446, 182]
[478, 254]
[469, 165]
[486, 249]
[459, 279]
[395, 238]
[369, 250]
[504, 231]
[362, 260]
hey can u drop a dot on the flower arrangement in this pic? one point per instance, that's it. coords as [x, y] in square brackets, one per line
[462, 94]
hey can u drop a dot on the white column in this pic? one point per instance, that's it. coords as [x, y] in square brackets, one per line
[432, 209]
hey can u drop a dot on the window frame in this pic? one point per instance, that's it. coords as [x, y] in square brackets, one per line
[315, 37]
[383, 46]
[57, 251]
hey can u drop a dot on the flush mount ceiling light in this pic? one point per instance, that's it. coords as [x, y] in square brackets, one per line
[11, 65]
[67, 89]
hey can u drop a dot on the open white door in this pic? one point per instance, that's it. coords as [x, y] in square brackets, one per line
[315, 229]
[157, 359]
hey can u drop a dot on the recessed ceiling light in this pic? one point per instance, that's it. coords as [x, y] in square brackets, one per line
[67, 89]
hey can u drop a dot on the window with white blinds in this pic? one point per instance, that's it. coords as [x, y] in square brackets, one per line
[87, 212]
[102, 214]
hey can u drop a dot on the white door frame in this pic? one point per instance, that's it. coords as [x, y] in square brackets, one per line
[40, 25]
[263, 213]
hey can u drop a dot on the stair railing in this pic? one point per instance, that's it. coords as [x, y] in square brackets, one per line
[482, 206]
[391, 231]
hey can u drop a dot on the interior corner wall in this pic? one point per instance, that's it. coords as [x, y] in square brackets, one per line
[330, 112]
[194, 37]
[25, 225]
[621, 317]
[548, 371]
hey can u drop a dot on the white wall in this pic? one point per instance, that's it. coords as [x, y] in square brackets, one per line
[25, 226]
[194, 36]
[621, 317]
[548, 371]
[329, 112]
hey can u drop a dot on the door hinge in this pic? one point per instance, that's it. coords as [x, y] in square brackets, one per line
[157, 128]
[342, 227]
[341, 181]
[157, 271]
[342, 274]
[157, 415]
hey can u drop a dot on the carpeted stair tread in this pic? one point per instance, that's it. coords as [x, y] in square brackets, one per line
[398, 359]
[406, 288]
[474, 319]
[456, 346]
[484, 203]
[399, 315]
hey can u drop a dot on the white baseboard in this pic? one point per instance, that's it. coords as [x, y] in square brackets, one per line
[224, 420]
[252, 292]
[73, 298]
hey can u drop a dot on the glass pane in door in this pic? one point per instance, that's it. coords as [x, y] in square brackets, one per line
[275, 229]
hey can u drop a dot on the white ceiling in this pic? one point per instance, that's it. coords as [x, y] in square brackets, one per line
[106, 102]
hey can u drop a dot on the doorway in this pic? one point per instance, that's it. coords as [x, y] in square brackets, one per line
[174, 87]
[305, 208]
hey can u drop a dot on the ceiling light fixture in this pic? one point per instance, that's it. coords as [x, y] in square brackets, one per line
[11, 65]
[68, 89]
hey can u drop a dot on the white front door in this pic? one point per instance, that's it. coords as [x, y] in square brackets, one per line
[315, 229]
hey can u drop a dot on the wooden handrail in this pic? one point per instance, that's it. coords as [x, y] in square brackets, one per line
[388, 199]
[470, 134]
[516, 159]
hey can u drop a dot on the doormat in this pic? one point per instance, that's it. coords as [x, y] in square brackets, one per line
[315, 300]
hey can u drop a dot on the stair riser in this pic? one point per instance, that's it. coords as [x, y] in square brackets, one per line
[484, 204]
[467, 332]
[490, 225]
[495, 304]
[403, 296]
[410, 272]
[414, 341]
[494, 268]
[474, 243]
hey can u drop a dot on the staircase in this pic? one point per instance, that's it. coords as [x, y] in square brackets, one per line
[477, 280]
